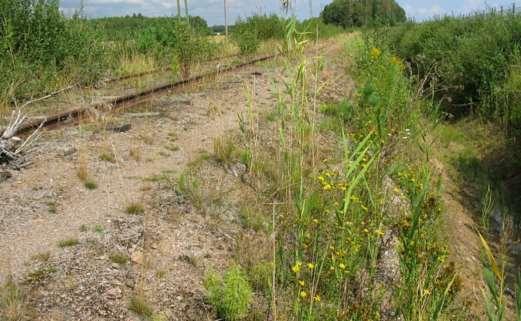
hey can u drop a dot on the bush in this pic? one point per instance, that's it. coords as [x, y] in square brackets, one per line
[466, 58]
[38, 46]
[231, 295]
[248, 33]
[246, 40]
[176, 40]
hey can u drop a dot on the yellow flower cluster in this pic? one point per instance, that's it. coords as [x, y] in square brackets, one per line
[375, 53]
[330, 181]
[397, 62]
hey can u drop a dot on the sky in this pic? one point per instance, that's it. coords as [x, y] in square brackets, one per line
[212, 10]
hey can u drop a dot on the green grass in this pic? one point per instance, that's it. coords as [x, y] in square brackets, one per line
[40, 275]
[68, 242]
[108, 156]
[139, 305]
[230, 295]
[119, 257]
[13, 303]
[90, 184]
[135, 209]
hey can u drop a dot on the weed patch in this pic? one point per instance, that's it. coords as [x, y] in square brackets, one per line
[231, 295]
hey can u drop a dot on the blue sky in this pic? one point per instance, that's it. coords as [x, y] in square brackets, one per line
[212, 10]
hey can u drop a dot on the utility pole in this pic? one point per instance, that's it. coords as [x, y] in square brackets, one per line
[310, 9]
[186, 11]
[226, 19]
[178, 8]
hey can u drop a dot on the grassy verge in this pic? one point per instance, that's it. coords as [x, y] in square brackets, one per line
[351, 208]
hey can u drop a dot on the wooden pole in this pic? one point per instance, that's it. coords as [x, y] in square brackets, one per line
[178, 8]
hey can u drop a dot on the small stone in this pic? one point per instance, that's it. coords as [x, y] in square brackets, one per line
[129, 284]
[113, 293]
[137, 257]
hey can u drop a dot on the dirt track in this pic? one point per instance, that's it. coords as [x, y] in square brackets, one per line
[171, 245]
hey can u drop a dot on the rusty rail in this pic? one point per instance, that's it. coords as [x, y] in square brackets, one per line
[122, 101]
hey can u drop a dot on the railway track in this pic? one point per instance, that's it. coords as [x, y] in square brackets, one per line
[117, 79]
[131, 99]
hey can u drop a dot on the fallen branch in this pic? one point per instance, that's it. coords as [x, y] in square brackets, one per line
[12, 148]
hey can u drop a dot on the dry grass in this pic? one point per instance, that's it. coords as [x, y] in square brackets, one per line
[135, 153]
[107, 154]
[139, 305]
[136, 64]
[13, 305]
[82, 170]
[223, 149]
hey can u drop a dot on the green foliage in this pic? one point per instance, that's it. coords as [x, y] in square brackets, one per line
[176, 39]
[231, 295]
[385, 103]
[355, 13]
[128, 28]
[466, 59]
[249, 33]
[37, 43]
[246, 40]
[264, 27]
[316, 27]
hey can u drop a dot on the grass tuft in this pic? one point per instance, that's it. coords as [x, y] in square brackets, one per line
[68, 242]
[13, 306]
[135, 209]
[139, 305]
[119, 257]
[231, 295]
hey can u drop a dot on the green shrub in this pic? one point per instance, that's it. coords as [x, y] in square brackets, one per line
[246, 40]
[465, 58]
[231, 295]
[39, 46]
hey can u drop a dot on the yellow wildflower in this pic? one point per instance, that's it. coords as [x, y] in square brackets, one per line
[316, 298]
[301, 282]
[296, 268]
[327, 187]
[379, 232]
[397, 62]
[342, 266]
[303, 294]
[311, 266]
[376, 53]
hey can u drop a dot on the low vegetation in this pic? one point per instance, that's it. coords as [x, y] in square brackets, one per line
[68, 242]
[135, 208]
[230, 294]
[13, 305]
[353, 13]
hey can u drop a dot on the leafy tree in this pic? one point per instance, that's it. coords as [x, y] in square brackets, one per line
[357, 13]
